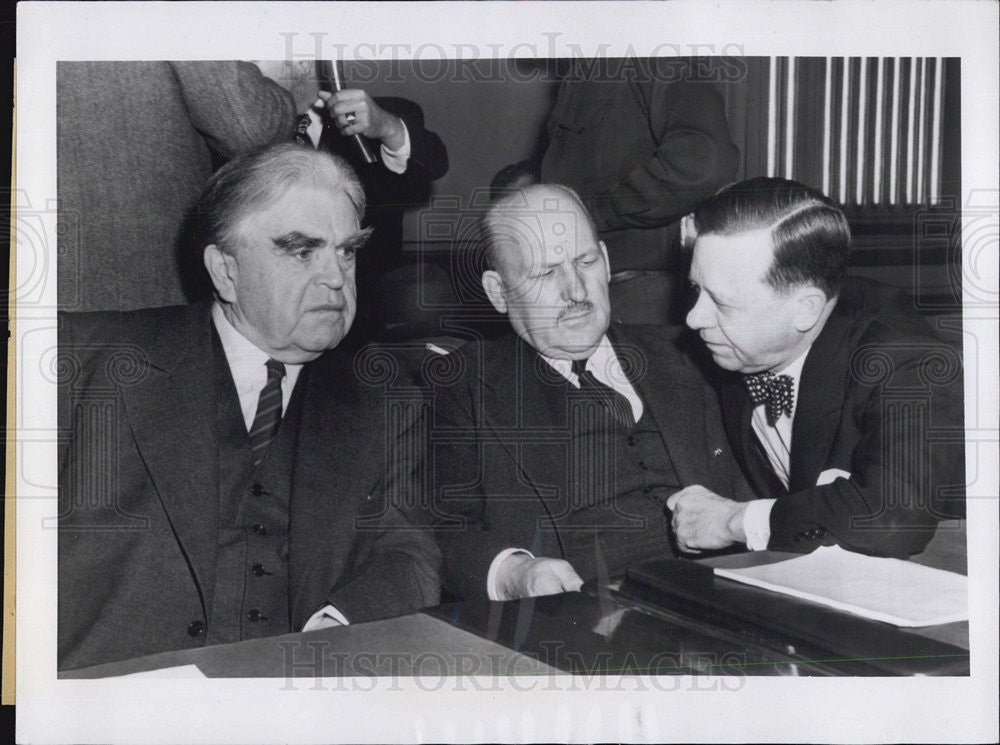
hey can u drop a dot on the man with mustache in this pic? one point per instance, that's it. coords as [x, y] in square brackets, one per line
[556, 447]
[225, 473]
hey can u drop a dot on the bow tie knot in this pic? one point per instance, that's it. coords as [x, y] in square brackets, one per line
[774, 391]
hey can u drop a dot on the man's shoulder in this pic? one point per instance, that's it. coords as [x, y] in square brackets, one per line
[674, 349]
[145, 326]
[871, 312]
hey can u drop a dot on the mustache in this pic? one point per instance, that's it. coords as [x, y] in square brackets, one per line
[585, 306]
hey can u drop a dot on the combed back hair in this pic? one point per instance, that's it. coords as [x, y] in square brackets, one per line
[809, 232]
[247, 184]
[517, 202]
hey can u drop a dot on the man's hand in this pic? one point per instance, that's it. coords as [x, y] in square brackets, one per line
[355, 112]
[522, 576]
[704, 520]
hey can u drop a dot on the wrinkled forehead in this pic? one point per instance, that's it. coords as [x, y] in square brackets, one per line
[299, 205]
[550, 229]
[737, 259]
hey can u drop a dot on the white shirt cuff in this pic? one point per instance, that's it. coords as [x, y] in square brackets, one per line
[491, 577]
[757, 523]
[325, 618]
[396, 160]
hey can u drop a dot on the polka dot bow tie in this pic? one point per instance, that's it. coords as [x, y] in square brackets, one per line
[774, 391]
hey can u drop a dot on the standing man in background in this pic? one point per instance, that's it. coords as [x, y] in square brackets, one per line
[408, 157]
[643, 143]
[136, 142]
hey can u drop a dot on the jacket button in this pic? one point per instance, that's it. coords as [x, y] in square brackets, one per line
[256, 490]
[642, 465]
[196, 628]
[256, 615]
[647, 489]
[258, 570]
[259, 529]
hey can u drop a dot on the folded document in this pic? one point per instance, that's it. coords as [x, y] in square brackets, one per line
[891, 590]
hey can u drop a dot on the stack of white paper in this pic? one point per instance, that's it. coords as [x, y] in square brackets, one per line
[897, 592]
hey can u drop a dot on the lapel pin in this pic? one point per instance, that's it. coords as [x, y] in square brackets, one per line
[717, 452]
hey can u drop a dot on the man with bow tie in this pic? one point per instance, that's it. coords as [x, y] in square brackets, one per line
[555, 447]
[841, 405]
[225, 473]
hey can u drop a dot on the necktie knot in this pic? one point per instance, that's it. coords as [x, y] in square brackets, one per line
[275, 370]
[302, 131]
[774, 391]
[620, 407]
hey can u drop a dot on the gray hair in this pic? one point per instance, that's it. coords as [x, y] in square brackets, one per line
[248, 183]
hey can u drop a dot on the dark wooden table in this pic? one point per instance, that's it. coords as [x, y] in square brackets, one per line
[605, 630]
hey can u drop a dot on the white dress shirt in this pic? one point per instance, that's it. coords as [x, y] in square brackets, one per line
[605, 366]
[777, 444]
[247, 363]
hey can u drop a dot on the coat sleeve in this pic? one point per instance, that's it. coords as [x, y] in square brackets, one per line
[469, 534]
[901, 445]
[694, 158]
[234, 106]
[428, 155]
[397, 565]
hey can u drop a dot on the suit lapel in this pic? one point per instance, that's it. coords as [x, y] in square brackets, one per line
[531, 402]
[819, 403]
[737, 413]
[675, 395]
[332, 476]
[171, 413]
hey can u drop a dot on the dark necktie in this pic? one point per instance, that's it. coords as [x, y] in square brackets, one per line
[620, 407]
[265, 423]
[302, 131]
[774, 391]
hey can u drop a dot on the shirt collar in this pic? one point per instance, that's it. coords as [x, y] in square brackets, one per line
[246, 360]
[603, 359]
[794, 368]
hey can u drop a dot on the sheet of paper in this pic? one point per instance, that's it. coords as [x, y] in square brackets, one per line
[897, 592]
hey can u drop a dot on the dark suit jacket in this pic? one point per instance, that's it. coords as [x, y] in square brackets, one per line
[389, 193]
[499, 455]
[137, 494]
[880, 398]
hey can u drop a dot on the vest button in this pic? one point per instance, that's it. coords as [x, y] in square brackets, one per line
[631, 441]
[647, 489]
[642, 465]
[256, 490]
[196, 628]
[256, 615]
[259, 529]
[258, 570]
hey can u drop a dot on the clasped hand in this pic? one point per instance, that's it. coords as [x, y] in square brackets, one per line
[703, 520]
[355, 112]
[522, 576]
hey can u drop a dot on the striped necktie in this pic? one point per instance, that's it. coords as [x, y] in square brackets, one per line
[620, 407]
[265, 423]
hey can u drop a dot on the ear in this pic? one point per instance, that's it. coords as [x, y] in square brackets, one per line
[809, 305]
[607, 261]
[223, 271]
[494, 287]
